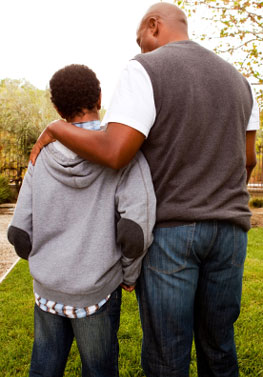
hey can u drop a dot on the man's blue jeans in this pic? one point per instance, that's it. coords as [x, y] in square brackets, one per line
[191, 283]
[96, 337]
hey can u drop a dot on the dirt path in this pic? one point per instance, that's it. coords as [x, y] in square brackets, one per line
[8, 255]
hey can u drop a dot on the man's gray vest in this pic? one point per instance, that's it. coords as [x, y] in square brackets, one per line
[196, 148]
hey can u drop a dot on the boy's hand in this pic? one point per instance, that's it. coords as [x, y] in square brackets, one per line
[44, 139]
[128, 288]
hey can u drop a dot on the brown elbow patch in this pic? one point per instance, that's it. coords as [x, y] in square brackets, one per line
[20, 240]
[130, 237]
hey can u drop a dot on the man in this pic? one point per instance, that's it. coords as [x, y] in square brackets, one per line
[195, 119]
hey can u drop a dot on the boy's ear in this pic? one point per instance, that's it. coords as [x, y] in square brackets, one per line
[99, 103]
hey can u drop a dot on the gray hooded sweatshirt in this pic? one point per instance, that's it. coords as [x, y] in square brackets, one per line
[83, 227]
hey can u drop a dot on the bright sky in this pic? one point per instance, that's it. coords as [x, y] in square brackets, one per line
[40, 37]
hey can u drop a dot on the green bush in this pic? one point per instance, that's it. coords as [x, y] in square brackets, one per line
[256, 202]
[5, 191]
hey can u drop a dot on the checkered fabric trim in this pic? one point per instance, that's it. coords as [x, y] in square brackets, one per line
[67, 310]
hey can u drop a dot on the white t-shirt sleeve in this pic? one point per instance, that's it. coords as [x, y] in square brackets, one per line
[132, 103]
[253, 123]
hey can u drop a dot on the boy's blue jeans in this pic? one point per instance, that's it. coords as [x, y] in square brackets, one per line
[96, 337]
[191, 283]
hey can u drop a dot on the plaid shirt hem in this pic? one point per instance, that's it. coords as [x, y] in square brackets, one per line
[67, 310]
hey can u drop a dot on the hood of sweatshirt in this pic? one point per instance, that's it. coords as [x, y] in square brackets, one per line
[73, 172]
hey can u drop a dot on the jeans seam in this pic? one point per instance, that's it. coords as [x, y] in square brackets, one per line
[215, 228]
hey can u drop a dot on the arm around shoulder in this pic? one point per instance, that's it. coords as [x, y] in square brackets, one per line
[114, 147]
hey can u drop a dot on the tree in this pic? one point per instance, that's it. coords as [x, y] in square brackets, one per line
[24, 112]
[238, 36]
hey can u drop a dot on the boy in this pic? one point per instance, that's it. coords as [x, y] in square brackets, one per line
[84, 229]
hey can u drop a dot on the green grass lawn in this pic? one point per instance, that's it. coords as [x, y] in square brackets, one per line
[16, 323]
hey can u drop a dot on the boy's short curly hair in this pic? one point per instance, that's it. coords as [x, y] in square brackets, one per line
[73, 89]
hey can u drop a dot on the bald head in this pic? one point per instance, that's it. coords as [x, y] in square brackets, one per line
[162, 23]
[170, 14]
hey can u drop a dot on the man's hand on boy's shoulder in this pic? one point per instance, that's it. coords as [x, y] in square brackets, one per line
[44, 139]
[128, 288]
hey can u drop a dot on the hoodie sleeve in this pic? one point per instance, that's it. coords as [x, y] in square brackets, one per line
[19, 232]
[136, 206]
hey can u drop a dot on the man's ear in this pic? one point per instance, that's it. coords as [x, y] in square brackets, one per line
[153, 25]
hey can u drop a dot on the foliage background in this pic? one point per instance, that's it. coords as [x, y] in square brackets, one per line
[5, 191]
[24, 111]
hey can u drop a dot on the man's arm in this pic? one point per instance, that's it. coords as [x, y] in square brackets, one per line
[250, 152]
[130, 116]
[115, 147]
